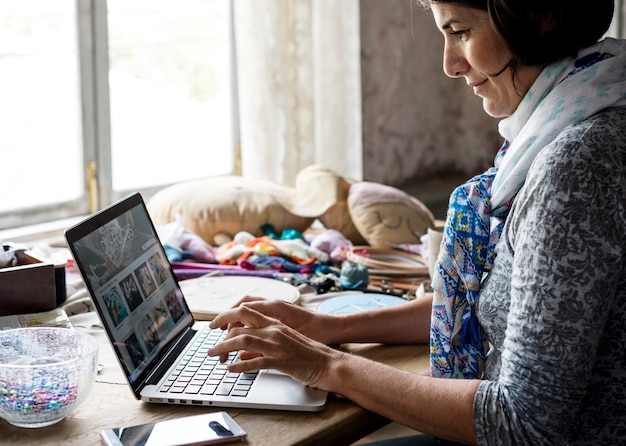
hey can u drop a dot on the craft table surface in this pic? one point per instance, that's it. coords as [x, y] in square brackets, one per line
[111, 403]
[341, 422]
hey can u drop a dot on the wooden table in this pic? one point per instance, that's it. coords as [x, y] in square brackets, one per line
[113, 405]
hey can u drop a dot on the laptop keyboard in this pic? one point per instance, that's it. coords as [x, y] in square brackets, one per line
[199, 374]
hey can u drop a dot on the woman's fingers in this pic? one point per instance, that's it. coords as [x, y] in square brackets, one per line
[249, 299]
[234, 319]
[248, 342]
[245, 355]
[266, 334]
[241, 301]
[276, 346]
[302, 319]
[239, 317]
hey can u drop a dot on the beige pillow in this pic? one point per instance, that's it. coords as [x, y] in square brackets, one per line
[323, 193]
[364, 212]
[386, 216]
[226, 205]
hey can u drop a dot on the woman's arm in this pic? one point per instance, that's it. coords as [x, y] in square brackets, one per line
[439, 407]
[410, 322]
[401, 324]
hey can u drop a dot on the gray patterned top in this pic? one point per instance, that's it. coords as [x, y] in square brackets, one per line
[554, 306]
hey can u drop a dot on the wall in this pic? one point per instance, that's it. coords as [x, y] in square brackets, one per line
[419, 126]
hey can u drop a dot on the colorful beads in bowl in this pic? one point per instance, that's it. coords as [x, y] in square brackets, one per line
[44, 374]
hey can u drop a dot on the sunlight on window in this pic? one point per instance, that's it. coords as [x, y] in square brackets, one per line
[170, 88]
[40, 141]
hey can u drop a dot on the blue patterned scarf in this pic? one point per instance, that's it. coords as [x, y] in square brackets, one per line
[564, 93]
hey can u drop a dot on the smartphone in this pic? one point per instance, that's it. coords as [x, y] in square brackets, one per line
[205, 429]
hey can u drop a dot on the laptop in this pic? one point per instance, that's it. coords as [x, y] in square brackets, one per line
[151, 328]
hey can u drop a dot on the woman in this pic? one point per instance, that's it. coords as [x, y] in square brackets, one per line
[529, 305]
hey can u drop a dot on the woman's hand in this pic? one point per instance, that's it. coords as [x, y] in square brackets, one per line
[267, 343]
[307, 322]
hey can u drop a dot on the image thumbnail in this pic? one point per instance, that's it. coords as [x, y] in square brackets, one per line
[131, 292]
[159, 268]
[173, 303]
[162, 319]
[145, 279]
[149, 332]
[115, 306]
[134, 350]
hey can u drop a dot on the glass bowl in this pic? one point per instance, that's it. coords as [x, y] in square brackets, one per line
[44, 374]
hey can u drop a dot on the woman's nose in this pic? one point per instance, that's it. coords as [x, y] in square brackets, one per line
[454, 64]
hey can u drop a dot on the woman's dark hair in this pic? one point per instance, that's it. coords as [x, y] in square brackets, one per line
[540, 32]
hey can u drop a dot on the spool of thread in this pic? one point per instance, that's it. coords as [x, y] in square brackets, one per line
[353, 276]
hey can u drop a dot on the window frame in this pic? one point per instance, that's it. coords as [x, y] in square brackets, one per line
[94, 51]
[95, 123]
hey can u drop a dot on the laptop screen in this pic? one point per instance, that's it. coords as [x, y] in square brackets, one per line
[131, 281]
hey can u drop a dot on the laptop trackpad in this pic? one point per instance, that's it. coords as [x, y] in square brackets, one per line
[280, 388]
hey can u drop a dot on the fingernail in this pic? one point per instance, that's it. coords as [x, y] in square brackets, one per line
[211, 352]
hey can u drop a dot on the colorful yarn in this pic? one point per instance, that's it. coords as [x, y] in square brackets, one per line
[287, 234]
[353, 276]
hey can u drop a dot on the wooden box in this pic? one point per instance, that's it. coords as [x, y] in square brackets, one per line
[33, 285]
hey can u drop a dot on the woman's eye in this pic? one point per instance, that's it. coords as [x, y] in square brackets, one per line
[461, 34]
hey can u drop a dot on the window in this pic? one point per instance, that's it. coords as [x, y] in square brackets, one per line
[101, 98]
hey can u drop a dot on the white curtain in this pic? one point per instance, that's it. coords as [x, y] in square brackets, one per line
[298, 64]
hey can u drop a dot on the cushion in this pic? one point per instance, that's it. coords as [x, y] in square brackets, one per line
[323, 193]
[226, 205]
[386, 216]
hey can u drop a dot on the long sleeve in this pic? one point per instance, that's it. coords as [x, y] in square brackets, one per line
[554, 305]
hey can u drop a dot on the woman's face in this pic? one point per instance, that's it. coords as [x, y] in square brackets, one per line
[474, 50]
